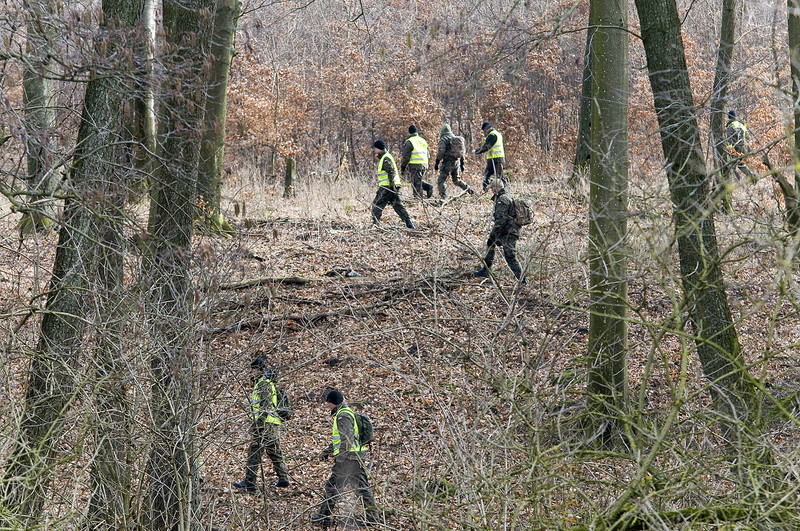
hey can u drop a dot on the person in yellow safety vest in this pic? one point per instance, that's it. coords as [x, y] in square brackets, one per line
[348, 465]
[265, 428]
[495, 154]
[415, 160]
[737, 136]
[388, 186]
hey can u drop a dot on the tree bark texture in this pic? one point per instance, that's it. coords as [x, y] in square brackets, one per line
[608, 212]
[289, 177]
[732, 389]
[209, 177]
[172, 468]
[582, 144]
[55, 376]
[793, 10]
[719, 97]
[39, 115]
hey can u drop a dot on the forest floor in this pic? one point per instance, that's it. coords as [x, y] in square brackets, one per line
[474, 385]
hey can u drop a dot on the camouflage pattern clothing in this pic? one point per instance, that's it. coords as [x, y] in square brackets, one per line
[505, 232]
[450, 167]
[389, 195]
[494, 167]
[416, 171]
[736, 133]
[349, 468]
[266, 435]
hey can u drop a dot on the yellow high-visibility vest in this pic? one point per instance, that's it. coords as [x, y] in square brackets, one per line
[383, 177]
[496, 151]
[255, 403]
[337, 438]
[420, 153]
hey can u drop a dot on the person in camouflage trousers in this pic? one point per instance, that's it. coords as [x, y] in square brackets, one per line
[505, 232]
[349, 467]
[414, 158]
[388, 186]
[451, 166]
[265, 429]
[495, 154]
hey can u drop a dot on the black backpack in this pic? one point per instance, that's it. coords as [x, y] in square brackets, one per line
[366, 433]
[284, 408]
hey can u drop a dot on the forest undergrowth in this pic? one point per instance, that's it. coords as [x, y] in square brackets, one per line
[475, 386]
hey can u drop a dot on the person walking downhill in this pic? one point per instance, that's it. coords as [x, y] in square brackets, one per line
[388, 186]
[450, 153]
[495, 154]
[415, 159]
[505, 232]
[349, 467]
[265, 428]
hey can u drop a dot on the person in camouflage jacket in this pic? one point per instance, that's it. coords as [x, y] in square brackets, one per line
[414, 158]
[265, 428]
[505, 232]
[388, 186]
[451, 167]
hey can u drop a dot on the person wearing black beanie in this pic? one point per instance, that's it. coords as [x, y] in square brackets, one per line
[415, 159]
[388, 186]
[349, 467]
[495, 154]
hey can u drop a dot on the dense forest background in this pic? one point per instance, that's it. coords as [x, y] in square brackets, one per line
[185, 185]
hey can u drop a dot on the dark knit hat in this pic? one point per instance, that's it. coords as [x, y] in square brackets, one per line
[731, 114]
[335, 397]
[259, 364]
[380, 144]
[485, 126]
[412, 129]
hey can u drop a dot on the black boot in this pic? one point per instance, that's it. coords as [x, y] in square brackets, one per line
[410, 224]
[428, 189]
[482, 272]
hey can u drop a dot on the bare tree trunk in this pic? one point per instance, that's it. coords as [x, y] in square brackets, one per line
[289, 177]
[719, 97]
[55, 376]
[172, 470]
[580, 165]
[39, 116]
[608, 213]
[732, 389]
[209, 178]
[143, 131]
[794, 57]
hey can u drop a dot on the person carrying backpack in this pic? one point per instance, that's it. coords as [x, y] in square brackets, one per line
[451, 153]
[266, 413]
[415, 159]
[495, 154]
[505, 231]
[349, 467]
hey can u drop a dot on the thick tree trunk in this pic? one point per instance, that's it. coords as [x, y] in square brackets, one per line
[719, 97]
[39, 117]
[172, 470]
[580, 164]
[794, 57]
[55, 376]
[209, 177]
[608, 211]
[732, 389]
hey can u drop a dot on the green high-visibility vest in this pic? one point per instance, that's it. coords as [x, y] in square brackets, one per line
[337, 438]
[420, 153]
[496, 151]
[255, 403]
[383, 177]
